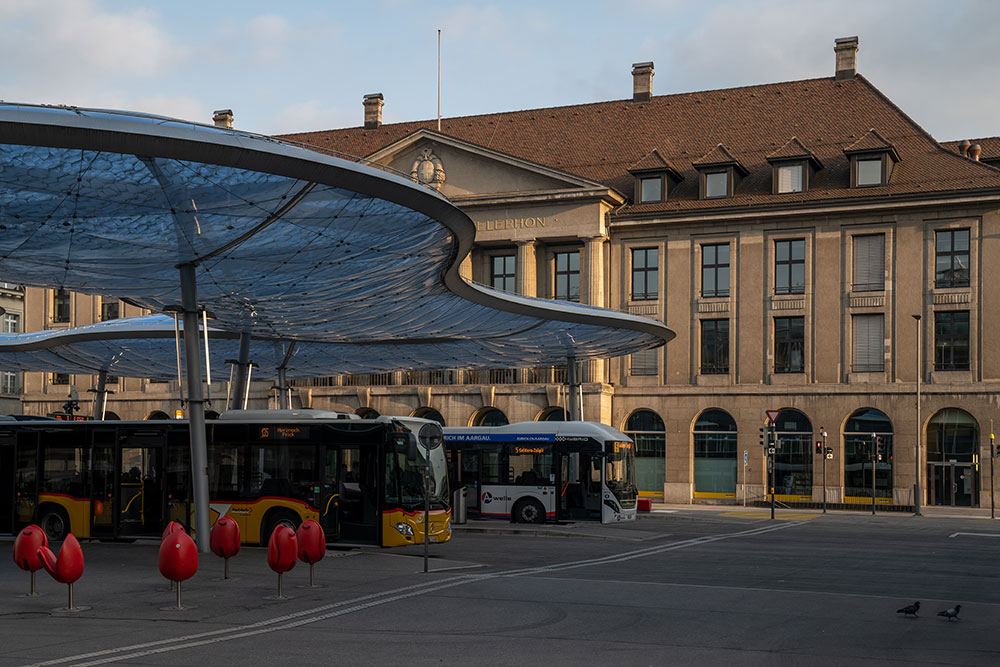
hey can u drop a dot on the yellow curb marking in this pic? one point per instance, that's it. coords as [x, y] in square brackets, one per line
[785, 516]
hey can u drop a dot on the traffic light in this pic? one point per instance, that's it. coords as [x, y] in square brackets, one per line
[819, 448]
[762, 436]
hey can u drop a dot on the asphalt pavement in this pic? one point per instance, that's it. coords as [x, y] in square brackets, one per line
[716, 585]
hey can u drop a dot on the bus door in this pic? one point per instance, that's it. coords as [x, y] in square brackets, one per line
[329, 496]
[103, 471]
[358, 489]
[7, 474]
[468, 476]
[590, 483]
[140, 486]
[25, 478]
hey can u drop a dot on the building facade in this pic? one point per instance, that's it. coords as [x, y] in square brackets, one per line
[817, 253]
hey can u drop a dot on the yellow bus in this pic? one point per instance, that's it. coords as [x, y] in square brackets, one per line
[361, 479]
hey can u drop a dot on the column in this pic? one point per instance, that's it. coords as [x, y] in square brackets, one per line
[526, 282]
[592, 292]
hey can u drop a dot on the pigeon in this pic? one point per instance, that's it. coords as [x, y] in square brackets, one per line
[910, 609]
[951, 613]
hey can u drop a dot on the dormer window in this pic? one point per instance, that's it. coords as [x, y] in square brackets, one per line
[789, 178]
[650, 189]
[792, 167]
[718, 172]
[872, 159]
[654, 178]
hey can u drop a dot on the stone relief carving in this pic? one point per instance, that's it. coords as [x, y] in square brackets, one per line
[428, 170]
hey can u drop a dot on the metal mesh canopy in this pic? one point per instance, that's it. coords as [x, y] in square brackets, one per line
[288, 244]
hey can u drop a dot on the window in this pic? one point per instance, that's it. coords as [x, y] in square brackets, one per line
[951, 340]
[568, 276]
[643, 363]
[650, 189]
[60, 305]
[789, 344]
[789, 178]
[857, 455]
[790, 266]
[951, 263]
[59, 378]
[715, 448]
[952, 435]
[489, 417]
[645, 273]
[868, 263]
[109, 308]
[502, 273]
[12, 323]
[715, 270]
[8, 383]
[869, 171]
[714, 347]
[648, 432]
[793, 454]
[868, 334]
[716, 184]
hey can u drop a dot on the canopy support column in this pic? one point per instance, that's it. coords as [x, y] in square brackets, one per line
[574, 390]
[282, 390]
[196, 406]
[242, 386]
[100, 395]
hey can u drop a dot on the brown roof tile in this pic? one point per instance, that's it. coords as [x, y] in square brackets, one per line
[653, 161]
[718, 157]
[602, 140]
[791, 150]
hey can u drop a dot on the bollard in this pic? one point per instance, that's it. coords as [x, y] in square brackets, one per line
[311, 545]
[65, 568]
[282, 551]
[26, 546]
[178, 560]
[225, 540]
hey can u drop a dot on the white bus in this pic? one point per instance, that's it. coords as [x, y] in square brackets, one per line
[536, 471]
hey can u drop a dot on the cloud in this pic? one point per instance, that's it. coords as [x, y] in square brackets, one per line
[308, 116]
[270, 34]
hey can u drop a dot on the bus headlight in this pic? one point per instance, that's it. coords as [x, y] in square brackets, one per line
[404, 529]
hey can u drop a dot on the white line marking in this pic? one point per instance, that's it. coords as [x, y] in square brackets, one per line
[316, 614]
[976, 534]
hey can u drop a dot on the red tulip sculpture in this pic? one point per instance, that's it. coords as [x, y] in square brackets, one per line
[26, 546]
[65, 568]
[312, 545]
[282, 551]
[178, 558]
[225, 540]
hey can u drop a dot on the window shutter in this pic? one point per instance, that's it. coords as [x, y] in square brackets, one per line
[869, 263]
[644, 362]
[868, 343]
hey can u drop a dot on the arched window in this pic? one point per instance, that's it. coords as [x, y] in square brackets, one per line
[111, 416]
[211, 414]
[489, 417]
[715, 455]
[552, 415]
[858, 443]
[649, 434]
[952, 435]
[793, 456]
[366, 413]
[429, 413]
[157, 414]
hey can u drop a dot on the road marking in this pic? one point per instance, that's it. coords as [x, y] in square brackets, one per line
[663, 511]
[325, 612]
[780, 516]
[976, 534]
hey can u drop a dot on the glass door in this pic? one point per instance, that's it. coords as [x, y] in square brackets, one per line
[102, 487]
[140, 491]
[329, 497]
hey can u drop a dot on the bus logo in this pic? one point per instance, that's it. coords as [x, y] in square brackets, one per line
[487, 498]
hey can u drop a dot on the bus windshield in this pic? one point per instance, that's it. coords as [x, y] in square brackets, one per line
[411, 476]
[619, 469]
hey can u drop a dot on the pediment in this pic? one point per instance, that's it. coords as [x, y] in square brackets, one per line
[462, 169]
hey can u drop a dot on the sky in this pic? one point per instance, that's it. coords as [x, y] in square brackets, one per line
[304, 65]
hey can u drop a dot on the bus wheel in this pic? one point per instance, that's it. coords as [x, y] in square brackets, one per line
[278, 518]
[529, 510]
[54, 521]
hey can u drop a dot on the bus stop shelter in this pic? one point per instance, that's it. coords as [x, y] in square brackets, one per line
[276, 242]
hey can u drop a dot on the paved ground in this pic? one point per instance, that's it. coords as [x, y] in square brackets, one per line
[704, 586]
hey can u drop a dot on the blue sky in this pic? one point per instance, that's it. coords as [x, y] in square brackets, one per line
[305, 65]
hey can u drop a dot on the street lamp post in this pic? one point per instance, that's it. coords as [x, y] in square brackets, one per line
[916, 453]
[822, 432]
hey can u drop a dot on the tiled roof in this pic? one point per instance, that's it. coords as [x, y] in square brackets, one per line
[873, 141]
[601, 141]
[990, 146]
[652, 161]
[792, 149]
[717, 157]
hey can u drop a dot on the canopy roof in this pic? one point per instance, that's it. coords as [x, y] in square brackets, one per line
[288, 244]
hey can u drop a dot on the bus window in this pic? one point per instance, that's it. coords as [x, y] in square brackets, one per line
[224, 465]
[25, 483]
[63, 471]
[288, 471]
[532, 468]
[493, 470]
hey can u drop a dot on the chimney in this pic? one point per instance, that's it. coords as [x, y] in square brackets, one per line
[846, 49]
[963, 147]
[373, 111]
[974, 152]
[642, 82]
[223, 118]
